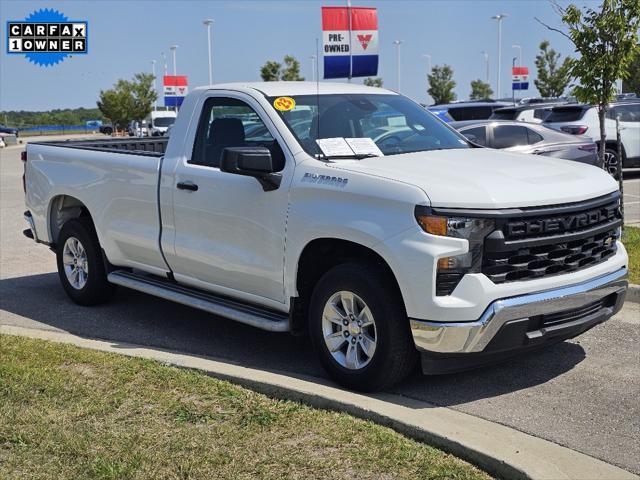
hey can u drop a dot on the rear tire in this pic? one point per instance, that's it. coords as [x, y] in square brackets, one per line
[80, 264]
[368, 345]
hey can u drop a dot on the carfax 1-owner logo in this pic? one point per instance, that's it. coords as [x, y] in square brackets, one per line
[47, 37]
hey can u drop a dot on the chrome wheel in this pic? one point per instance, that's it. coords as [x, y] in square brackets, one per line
[611, 162]
[349, 330]
[74, 259]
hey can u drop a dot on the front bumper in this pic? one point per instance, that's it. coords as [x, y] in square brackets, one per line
[519, 323]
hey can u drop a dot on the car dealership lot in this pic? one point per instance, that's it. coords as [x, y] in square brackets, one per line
[581, 393]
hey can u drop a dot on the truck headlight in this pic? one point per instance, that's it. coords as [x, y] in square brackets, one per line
[474, 230]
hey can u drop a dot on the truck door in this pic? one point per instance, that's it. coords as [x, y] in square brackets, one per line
[228, 233]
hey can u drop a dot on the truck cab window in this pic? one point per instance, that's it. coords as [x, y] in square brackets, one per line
[228, 122]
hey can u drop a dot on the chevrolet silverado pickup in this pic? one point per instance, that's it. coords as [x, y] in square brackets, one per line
[344, 212]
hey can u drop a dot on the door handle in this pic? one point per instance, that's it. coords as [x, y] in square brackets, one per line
[187, 186]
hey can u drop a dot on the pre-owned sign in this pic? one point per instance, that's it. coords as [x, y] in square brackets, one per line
[175, 89]
[520, 78]
[350, 41]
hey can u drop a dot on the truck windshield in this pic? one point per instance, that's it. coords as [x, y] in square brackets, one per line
[395, 123]
[163, 121]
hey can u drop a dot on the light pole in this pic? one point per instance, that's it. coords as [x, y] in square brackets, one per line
[155, 84]
[499, 18]
[428, 57]
[313, 67]
[519, 47]
[486, 64]
[208, 22]
[164, 62]
[173, 49]
[397, 43]
[513, 91]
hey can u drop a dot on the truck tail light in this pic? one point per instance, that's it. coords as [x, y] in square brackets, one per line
[23, 157]
[574, 129]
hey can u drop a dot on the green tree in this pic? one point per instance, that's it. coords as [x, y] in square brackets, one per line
[291, 72]
[112, 104]
[553, 76]
[632, 83]
[270, 71]
[143, 95]
[441, 84]
[372, 82]
[607, 41]
[128, 100]
[480, 90]
[273, 71]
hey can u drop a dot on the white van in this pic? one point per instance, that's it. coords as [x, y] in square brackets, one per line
[160, 122]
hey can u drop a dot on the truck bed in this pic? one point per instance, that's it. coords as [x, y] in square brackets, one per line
[150, 147]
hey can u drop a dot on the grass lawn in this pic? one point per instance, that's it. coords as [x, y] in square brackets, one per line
[71, 413]
[631, 240]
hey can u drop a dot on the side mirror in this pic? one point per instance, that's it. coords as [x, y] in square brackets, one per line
[252, 162]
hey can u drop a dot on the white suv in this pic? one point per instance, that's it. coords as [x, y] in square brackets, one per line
[583, 120]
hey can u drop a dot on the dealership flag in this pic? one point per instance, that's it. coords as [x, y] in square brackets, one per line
[350, 52]
[520, 78]
[175, 89]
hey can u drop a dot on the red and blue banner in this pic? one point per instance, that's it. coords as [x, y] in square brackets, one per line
[520, 78]
[350, 41]
[175, 89]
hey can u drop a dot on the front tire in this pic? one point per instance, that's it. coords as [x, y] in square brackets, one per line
[80, 265]
[359, 327]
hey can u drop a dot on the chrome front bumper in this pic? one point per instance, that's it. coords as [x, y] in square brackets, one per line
[475, 336]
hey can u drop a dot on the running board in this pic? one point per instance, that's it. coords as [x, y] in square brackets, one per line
[255, 316]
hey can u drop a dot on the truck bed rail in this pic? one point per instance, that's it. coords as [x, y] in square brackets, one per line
[150, 147]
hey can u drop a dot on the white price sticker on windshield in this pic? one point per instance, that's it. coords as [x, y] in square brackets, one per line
[334, 147]
[364, 146]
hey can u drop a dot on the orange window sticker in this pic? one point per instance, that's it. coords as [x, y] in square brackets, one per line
[284, 104]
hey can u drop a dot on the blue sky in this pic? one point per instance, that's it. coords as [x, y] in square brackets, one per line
[124, 36]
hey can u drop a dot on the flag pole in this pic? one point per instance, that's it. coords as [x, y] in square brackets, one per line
[350, 44]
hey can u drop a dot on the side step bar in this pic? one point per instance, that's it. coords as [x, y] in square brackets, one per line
[240, 312]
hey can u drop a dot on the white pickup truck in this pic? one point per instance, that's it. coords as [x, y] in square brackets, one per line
[429, 249]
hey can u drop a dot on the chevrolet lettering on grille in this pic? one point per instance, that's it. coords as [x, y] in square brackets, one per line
[566, 223]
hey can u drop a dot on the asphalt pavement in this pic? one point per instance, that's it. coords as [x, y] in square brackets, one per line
[582, 394]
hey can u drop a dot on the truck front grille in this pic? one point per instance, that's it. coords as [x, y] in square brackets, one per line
[533, 246]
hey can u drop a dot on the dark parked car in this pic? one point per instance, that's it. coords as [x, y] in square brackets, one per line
[466, 110]
[106, 129]
[9, 130]
[529, 138]
[533, 112]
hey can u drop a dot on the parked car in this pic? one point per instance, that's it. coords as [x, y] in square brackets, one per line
[137, 129]
[532, 113]
[466, 110]
[9, 130]
[583, 120]
[529, 138]
[430, 248]
[106, 129]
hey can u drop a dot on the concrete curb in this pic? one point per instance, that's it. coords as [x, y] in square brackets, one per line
[498, 449]
[633, 293]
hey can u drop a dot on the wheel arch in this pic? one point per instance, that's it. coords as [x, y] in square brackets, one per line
[63, 208]
[320, 255]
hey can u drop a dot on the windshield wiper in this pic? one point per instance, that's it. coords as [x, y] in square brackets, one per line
[355, 156]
